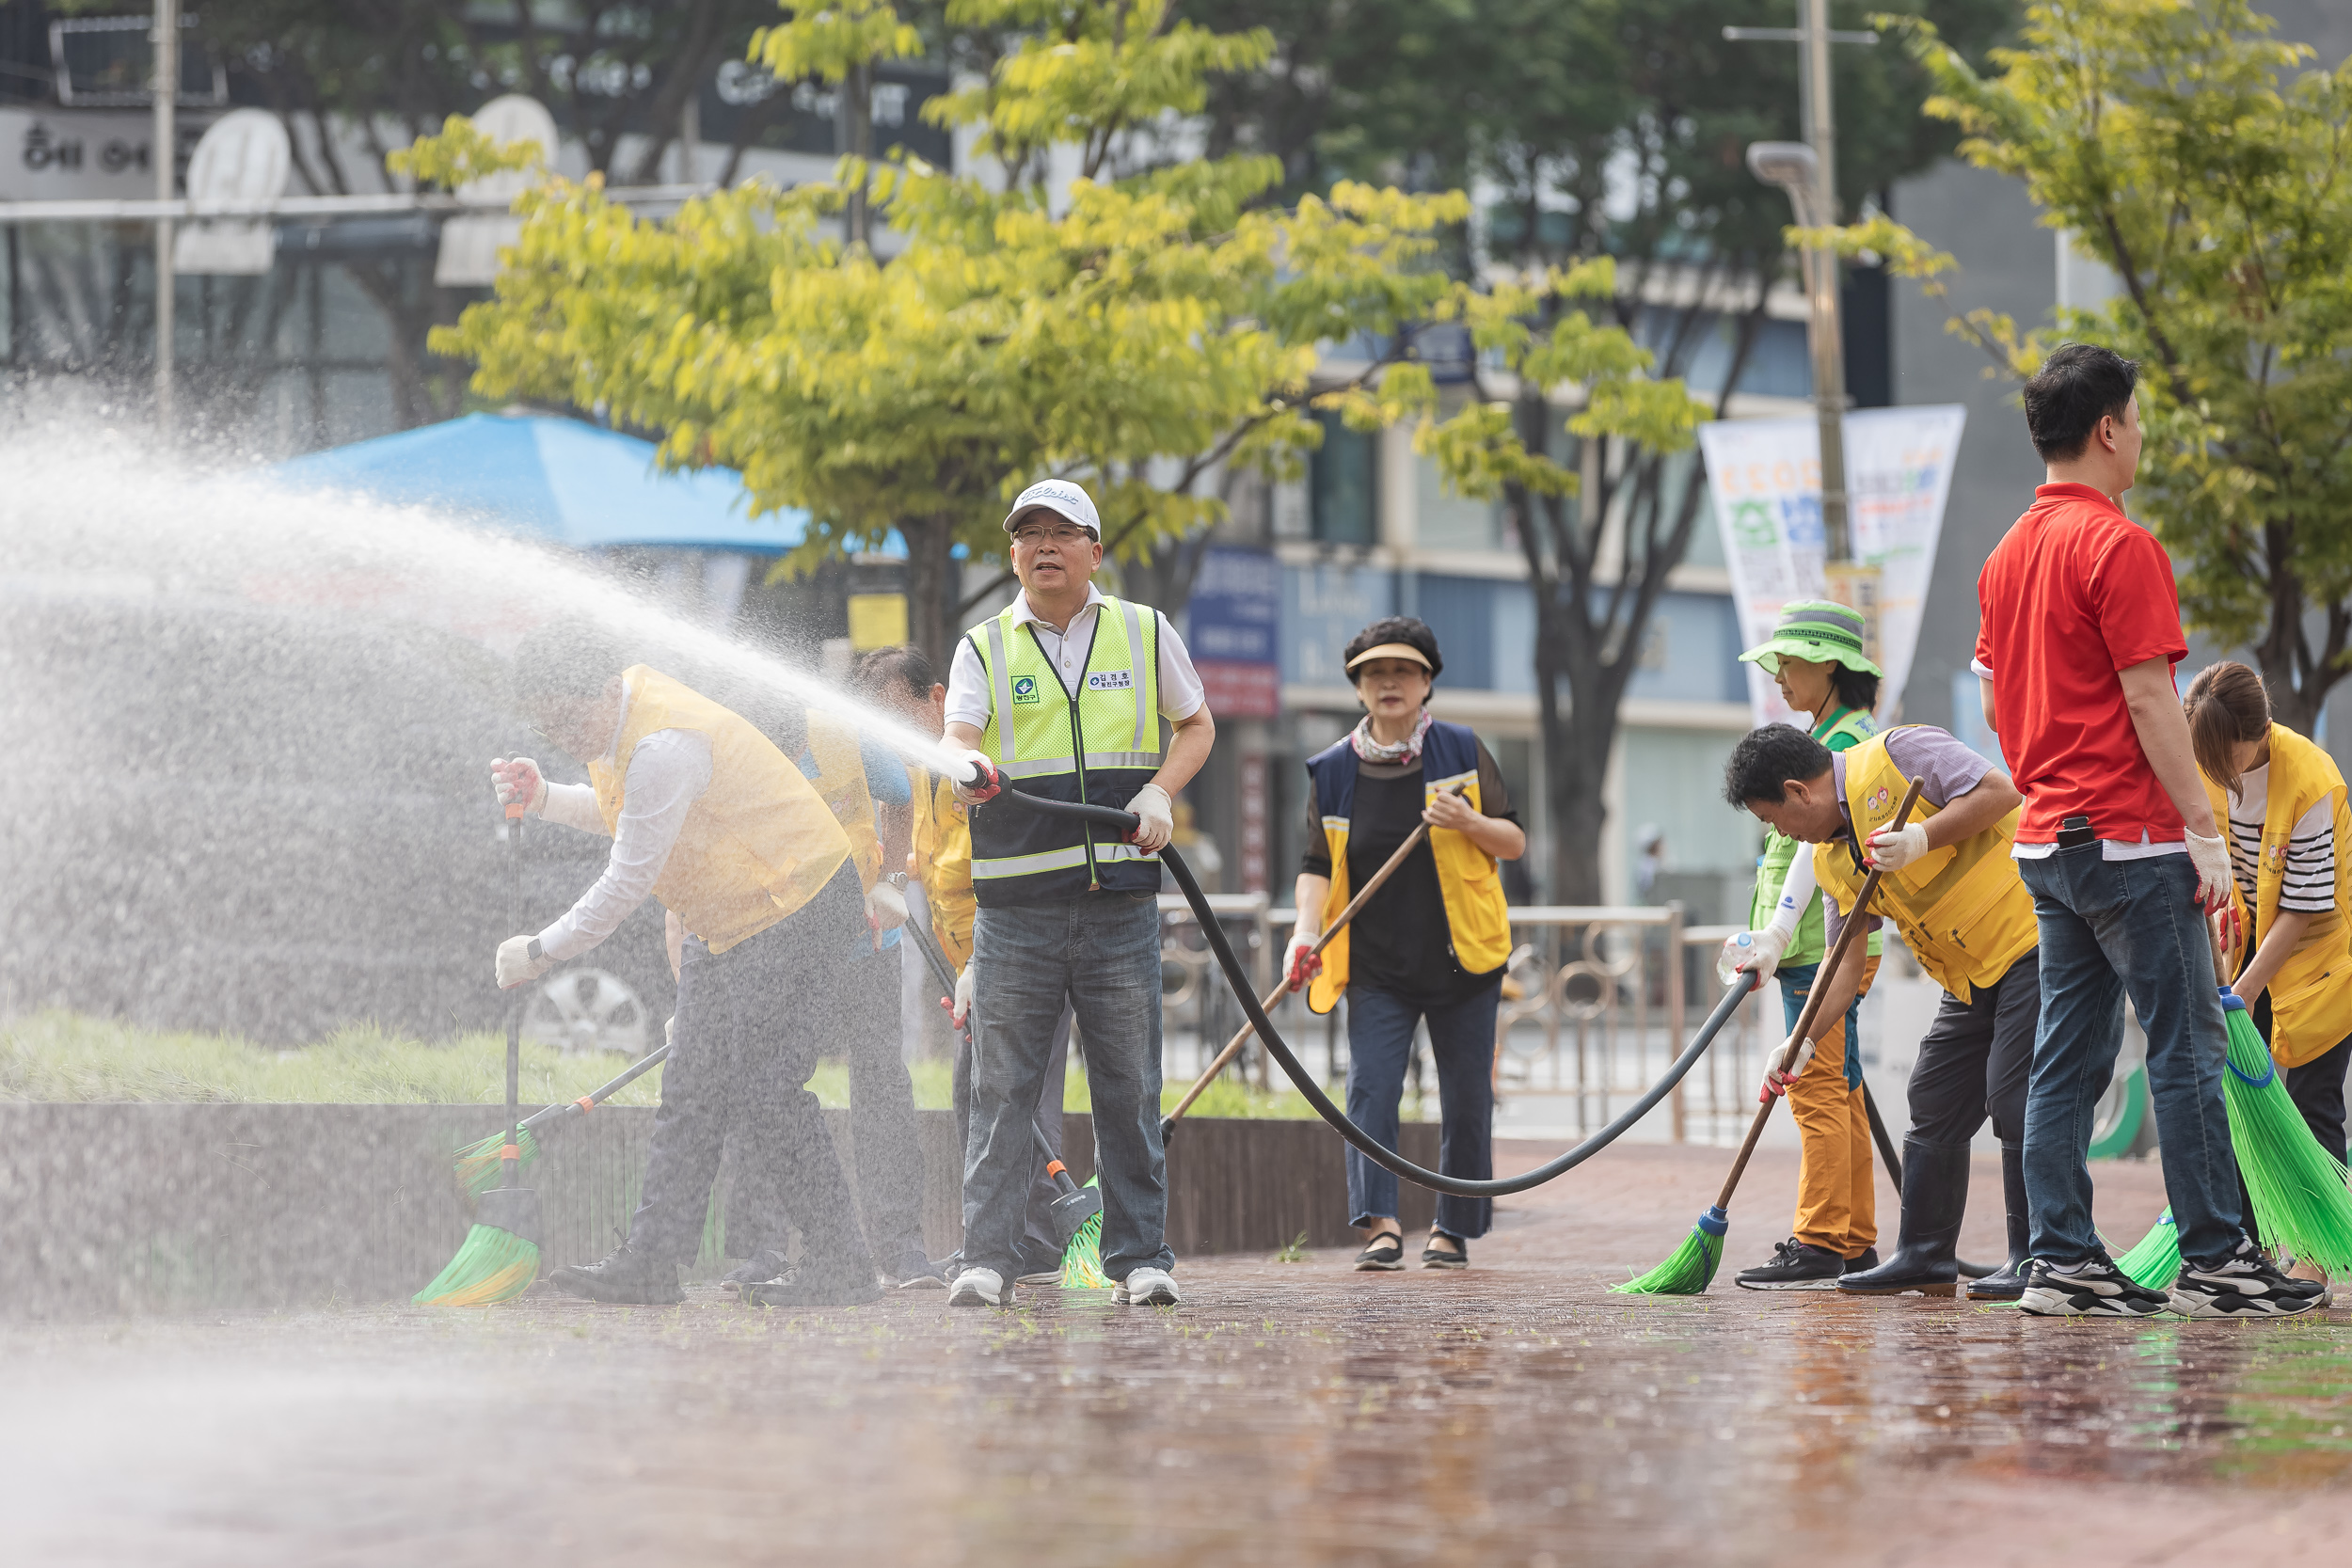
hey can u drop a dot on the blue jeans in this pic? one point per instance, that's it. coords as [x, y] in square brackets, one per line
[2112, 929]
[1796, 984]
[1100, 951]
[1462, 1043]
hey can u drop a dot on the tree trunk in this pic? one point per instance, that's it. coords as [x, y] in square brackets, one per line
[857, 109]
[929, 541]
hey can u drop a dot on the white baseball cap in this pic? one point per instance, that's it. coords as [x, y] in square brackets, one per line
[1058, 495]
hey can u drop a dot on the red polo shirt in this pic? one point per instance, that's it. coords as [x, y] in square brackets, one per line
[2072, 594]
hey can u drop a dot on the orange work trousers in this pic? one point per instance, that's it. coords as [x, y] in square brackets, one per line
[1836, 1194]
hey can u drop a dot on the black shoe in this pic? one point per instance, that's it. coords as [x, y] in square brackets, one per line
[2248, 1284]
[1866, 1259]
[1036, 1265]
[626, 1277]
[2007, 1282]
[1437, 1257]
[806, 1287]
[1935, 1194]
[918, 1272]
[1383, 1254]
[1795, 1266]
[758, 1269]
[2094, 1288]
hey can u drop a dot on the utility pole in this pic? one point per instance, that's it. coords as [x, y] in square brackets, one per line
[166, 36]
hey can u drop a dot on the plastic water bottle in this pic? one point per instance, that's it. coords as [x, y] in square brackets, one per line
[1736, 951]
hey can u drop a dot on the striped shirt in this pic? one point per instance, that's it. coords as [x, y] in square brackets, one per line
[2308, 882]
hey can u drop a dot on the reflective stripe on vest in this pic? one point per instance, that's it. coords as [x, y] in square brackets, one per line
[1963, 909]
[1100, 748]
[2310, 995]
[757, 845]
[1478, 918]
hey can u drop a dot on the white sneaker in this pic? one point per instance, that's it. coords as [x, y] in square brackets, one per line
[978, 1288]
[1147, 1287]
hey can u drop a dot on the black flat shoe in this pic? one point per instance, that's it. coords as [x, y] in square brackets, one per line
[1382, 1254]
[1434, 1257]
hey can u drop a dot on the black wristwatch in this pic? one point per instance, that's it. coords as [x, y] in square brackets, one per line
[532, 952]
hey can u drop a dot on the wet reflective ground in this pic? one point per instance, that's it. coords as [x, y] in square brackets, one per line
[1289, 1413]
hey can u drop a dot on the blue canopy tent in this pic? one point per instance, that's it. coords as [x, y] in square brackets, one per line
[556, 479]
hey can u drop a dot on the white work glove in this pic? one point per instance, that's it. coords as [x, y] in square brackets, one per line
[1155, 819]
[1778, 1083]
[2211, 857]
[885, 909]
[520, 780]
[987, 784]
[1758, 951]
[1302, 963]
[668, 1030]
[515, 966]
[1892, 848]
[960, 1008]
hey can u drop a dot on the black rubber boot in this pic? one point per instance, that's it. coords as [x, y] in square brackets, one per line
[1935, 1195]
[2007, 1282]
[627, 1277]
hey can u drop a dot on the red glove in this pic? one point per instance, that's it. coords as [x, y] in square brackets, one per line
[984, 784]
[1302, 963]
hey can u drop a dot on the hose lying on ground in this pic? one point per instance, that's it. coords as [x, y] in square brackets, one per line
[1123, 823]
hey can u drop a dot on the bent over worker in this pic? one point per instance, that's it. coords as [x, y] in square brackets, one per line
[1954, 893]
[706, 816]
[1063, 694]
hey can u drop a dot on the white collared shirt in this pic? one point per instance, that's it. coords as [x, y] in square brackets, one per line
[1181, 693]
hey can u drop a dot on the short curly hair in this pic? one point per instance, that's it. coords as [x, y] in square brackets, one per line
[1396, 629]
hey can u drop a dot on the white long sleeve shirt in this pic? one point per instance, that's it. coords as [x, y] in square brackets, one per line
[667, 774]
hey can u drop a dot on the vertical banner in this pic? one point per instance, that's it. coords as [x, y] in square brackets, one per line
[1254, 840]
[1764, 477]
[1233, 626]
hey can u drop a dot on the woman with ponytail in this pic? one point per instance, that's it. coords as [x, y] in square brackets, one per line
[2283, 799]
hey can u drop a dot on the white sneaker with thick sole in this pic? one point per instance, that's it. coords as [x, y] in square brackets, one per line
[978, 1287]
[1146, 1288]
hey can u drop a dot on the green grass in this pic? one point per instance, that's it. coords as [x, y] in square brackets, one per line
[65, 1056]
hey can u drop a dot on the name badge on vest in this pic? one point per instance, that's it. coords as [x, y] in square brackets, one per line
[1024, 688]
[1111, 680]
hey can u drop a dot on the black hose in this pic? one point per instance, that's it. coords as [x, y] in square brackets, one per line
[1124, 822]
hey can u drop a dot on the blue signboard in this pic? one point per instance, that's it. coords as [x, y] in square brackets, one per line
[1233, 627]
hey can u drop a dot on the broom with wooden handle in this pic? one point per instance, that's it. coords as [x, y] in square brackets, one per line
[1692, 1267]
[1339, 924]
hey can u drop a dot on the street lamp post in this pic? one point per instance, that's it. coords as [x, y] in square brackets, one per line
[167, 95]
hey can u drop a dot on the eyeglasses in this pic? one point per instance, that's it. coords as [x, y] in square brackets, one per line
[1038, 534]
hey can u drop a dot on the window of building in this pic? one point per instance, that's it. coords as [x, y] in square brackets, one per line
[1342, 480]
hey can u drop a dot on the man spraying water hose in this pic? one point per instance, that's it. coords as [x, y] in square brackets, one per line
[1063, 694]
[706, 816]
[1954, 892]
[2081, 627]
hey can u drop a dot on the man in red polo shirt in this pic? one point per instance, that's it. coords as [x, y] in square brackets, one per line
[2081, 628]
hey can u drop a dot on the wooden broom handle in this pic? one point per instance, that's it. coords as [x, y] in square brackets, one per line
[1265, 1004]
[1813, 1004]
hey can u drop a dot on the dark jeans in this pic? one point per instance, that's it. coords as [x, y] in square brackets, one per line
[1974, 1059]
[2112, 929]
[1098, 954]
[1037, 1235]
[751, 1023]
[1380, 1030]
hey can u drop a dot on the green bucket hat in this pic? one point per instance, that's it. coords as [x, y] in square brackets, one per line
[1817, 629]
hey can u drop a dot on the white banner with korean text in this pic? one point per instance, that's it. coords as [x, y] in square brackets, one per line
[1764, 477]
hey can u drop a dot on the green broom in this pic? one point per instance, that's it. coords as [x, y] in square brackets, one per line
[2299, 1188]
[1082, 1261]
[478, 1163]
[1691, 1266]
[500, 1259]
[2157, 1259]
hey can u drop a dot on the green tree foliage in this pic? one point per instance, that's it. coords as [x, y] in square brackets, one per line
[2204, 162]
[1139, 330]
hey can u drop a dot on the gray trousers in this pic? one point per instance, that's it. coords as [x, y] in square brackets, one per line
[1037, 1236]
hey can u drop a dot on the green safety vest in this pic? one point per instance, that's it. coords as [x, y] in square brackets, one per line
[1100, 748]
[1848, 727]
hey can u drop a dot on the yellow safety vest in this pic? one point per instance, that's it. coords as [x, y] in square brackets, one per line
[1100, 748]
[841, 784]
[756, 846]
[2311, 997]
[942, 852]
[1963, 909]
[1477, 916]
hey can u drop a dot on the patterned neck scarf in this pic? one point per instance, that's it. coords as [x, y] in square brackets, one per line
[1404, 752]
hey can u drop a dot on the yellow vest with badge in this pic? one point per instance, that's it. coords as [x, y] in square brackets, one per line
[757, 843]
[1477, 916]
[2311, 996]
[841, 784]
[1963, 909]
[942, 854]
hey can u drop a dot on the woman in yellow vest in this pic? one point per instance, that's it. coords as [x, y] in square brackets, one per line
[2284, 799]
[1816, 658]
[1430, 944]
[706, 816]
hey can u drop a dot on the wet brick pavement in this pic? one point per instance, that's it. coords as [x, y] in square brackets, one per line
[1289, 1413]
